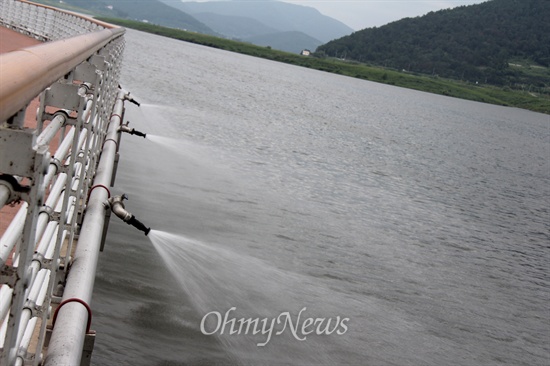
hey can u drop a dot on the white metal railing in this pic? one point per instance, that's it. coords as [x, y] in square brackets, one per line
[75, 76]
[45, 23]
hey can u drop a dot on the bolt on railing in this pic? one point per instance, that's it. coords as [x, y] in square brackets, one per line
[76, 81]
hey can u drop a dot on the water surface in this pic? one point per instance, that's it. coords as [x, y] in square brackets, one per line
[423, 219]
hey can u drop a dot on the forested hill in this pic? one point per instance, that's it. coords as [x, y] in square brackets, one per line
[486, 42]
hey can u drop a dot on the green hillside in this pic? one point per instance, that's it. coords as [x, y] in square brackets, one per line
[480, 93]
[293, 42]
[498, 42]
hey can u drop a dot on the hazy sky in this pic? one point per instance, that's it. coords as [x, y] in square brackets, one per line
[360, 14]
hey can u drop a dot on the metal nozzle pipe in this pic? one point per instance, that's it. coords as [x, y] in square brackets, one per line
[131, 99]
[138, 225]
[135, 132]
[131, 131]
[116, 205]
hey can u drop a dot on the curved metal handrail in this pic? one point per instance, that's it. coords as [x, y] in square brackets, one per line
[27, 72]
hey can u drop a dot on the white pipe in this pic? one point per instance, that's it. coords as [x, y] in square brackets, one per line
[49, 236]
[4, 195]
[55, 192]
[44, 216]
[26, 340]
[12, 233]
[35, 290]
[59, 155]
[65, 145]
[51, 249]
[36, 297]
[68, 335]
[3, 331]
[46, 237]
[51, 130]
[24, 320]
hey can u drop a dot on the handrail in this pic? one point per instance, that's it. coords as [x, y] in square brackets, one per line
[75, 74]
[26, 72]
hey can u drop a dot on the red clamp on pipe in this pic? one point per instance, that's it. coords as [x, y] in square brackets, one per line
[98, 186]
[117, 115]
[110, 139]
[74, 299]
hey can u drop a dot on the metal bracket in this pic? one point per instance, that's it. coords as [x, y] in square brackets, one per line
[86, 72]
[63, 95]
[17, 120]
[16, 150]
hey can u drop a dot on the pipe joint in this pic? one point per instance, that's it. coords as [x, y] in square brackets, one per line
[85, 88]
[63, 113]
[43, 262]
[31, 306]
[48, 210]
[13, 188]
[116, 205]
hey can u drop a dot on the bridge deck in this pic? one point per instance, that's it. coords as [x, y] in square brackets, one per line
[11, 40]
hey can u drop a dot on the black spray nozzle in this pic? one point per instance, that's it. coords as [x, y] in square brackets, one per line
[138, 225]
[144, 135]
[131, 99]
[131, 131]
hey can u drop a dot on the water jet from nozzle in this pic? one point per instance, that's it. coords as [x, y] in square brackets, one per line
[116, 205]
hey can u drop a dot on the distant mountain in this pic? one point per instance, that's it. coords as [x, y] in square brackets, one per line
[280, 25]
[259, 20]
[486, 42]
[292, 41]
[252, 31]
[234, 27]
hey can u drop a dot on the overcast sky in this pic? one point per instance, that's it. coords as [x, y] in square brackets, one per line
[360, 14]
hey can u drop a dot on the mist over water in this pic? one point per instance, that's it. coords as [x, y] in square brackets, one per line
[166, 142]
[272, 188]
[218, 280]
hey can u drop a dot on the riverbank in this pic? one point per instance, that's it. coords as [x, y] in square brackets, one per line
[453, 88]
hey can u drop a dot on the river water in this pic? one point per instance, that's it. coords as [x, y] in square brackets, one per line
[419, 222]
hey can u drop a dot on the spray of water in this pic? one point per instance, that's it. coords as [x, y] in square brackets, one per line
[169, 143]
[177, 146]
[217, 279]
